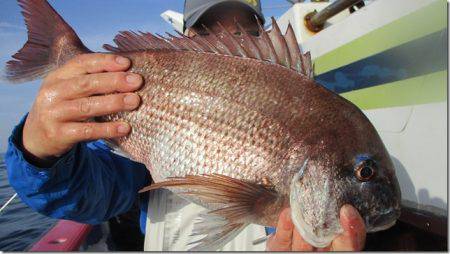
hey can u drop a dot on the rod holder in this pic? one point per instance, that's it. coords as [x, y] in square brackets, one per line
[315, 21]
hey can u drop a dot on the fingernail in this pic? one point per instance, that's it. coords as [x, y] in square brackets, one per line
[122, 60]
[123, 128]
[131, 100]
[134, 80]
[349, 212]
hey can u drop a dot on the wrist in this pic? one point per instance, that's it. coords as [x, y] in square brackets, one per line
[38, 161]
[32, 153]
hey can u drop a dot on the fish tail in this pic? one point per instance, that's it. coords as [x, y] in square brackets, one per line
[51, 43]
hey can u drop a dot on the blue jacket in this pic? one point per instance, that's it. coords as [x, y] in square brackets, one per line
[88, 184]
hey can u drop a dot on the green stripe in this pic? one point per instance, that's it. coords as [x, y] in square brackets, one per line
[419, 90]
[427, 20]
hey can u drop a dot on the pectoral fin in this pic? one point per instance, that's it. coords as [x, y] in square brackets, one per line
[235, 198]
[217, 232]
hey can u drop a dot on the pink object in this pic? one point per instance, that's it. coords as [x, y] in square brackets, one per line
[64, 236]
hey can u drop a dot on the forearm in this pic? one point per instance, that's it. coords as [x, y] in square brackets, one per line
[87, 184]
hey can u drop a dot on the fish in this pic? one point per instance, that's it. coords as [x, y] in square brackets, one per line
[236, 123]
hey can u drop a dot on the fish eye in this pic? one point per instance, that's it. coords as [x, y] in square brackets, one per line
[365, 170]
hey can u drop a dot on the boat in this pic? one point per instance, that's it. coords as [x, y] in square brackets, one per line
[388, 57]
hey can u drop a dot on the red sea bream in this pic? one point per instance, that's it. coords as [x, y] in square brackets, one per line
[237, 124]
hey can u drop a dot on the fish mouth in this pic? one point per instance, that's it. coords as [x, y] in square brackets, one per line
[383, 221]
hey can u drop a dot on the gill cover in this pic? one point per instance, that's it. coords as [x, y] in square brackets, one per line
[312, 210]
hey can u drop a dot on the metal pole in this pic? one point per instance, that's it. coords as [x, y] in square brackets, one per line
[295, 1]
[315, 20]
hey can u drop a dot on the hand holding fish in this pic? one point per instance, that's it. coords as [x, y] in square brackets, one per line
[288, 239]
[69, 96]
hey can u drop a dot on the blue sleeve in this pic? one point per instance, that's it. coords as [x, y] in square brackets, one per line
[88, 184]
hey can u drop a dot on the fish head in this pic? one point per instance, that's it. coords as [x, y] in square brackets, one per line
[373, 189]
[331, 176]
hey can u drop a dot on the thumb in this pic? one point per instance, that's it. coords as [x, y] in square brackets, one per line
[282, 240]
[354, 236]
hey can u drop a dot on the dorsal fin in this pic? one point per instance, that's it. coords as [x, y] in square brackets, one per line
[270, 46]
[280, 45]
[266, 45]
[218, 43]
[254, 50]
[240, 51]
[206, 44]
[291, 41]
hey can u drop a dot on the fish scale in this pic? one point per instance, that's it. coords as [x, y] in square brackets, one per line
[165, 98]
[270, 99]
[235, 123]
[171, 114]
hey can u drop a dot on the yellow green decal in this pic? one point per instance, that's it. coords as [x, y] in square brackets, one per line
[427, 20]
[418, 90]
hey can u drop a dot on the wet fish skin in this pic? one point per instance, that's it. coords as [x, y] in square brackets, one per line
[290, 118]
[243, 137]
[235, 119]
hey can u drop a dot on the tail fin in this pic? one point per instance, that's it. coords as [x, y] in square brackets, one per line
[51, 42]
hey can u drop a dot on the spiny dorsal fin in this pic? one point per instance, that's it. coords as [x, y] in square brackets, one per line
[280, 45]
[240, 51]
[218, 43]
[202, 40]
[266, 45]
[254, 50]
[296, 60]
[307, 66]
[270, 46]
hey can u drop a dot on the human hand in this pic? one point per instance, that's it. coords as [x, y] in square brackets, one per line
[287, 238]
[72, 94]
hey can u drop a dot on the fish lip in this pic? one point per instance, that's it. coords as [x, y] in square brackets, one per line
[384, 220]
[383, 227]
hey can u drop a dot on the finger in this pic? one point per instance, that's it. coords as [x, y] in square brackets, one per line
[282, 240]
[100, 83]
[77, 132]
[299, 244]
[328, 248]
[270, 243]
[92, 63]
[84, 108]
[354, 236]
